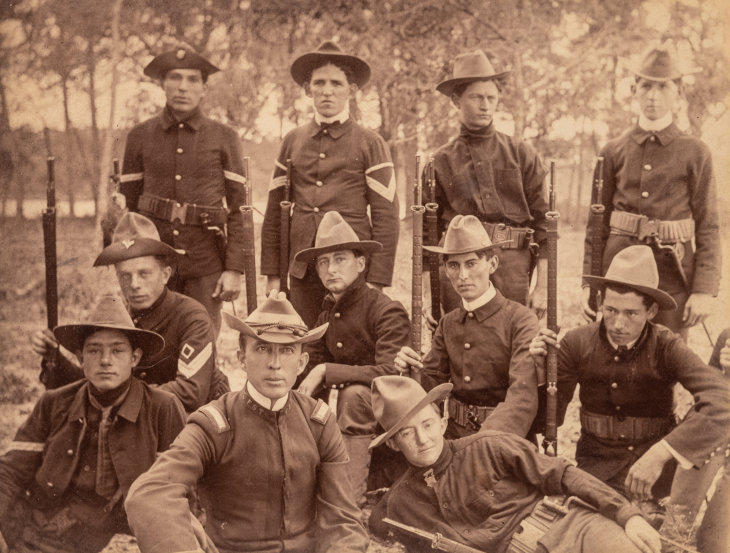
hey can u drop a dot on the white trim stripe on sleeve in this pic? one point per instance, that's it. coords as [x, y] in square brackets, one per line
[129, 177]
[235, 177]
[280, 166]
[277, 182]
[26, 446]
[189, 369]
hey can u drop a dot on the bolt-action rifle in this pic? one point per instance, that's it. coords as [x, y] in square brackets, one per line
[285, 214]
[417, 273]
[433, 239]
[249, 248]
[438, 541]
[595, 226]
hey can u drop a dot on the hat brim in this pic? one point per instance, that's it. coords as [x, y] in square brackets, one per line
[72, 337]
[444, 251]
[664, 300]
[447, 87]
[141, 247]
[274, 334]
[365, 246]
[434, 395]
[303, 65]
[159, 66]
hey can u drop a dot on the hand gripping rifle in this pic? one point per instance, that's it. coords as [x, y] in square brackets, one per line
[433, 239]
[249, 249]
[595, 226]
[551, 405]
[49, 246]
[417, 273]
[438, 542]
[285, 207]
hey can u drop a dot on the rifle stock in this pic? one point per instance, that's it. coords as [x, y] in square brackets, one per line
[417, 273]
[595, 224]
[550, 442]
[249, 248]
[285, 214]
[433, 239]
[49, 247]
[438, 541]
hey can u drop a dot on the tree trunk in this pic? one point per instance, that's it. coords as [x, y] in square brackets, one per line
[7, 162]
[96, 171]
[68, 150]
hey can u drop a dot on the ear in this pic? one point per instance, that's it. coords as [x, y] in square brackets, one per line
[444, 422]
[307, 89]
[166, 273]
[361, 263]
[136, 356]
[493, 263]
[353, 89]
[392, 443]
[303, 360]
[456, 100]
[241, 355]
[652, 311]
[633, 89]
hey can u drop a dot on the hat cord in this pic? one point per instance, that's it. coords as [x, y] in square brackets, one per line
[296, 330]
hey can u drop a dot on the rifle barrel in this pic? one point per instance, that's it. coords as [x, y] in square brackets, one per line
[249, 248]
[417, 271]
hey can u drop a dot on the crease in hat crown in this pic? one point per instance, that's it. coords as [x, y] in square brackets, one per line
[134, 236]
[395, 399]
[470, 67]
[329, 51]
[335, 234]
[465, 234]
[660, 62]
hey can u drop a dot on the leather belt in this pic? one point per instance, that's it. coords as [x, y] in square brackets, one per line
[544, 514]
[520, 237]
[186, 214]
[466, 415]
[624, 223]
[628, 429]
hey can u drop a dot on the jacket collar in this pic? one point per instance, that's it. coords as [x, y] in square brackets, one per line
[336, 130]
[149, 318]
[129, 409]
[193, 120]
[474, 135]
[664, 136]
[486, 310]
[631, 352]
[432, 473]
[351, 295]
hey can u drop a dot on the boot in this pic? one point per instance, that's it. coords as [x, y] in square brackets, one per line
[359, 465]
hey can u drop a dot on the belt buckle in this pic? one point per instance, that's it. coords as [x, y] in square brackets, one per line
[472, 416]
[648, 228]
[501, 232]
[178, 212]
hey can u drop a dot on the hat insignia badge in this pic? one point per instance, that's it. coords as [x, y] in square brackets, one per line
[430, 478]
[180, 54]
[127, 243]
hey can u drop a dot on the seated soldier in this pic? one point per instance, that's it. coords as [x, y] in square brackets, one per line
[186, 365]
[268, 462]
[72, 461]
[489, 490]
[483, 346]
[627, 367]
[366, 330]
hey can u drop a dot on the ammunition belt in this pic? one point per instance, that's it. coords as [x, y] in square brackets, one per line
[534, 526]
[520, 237]
[186, 214]
[628, 429]
[466, 415]
[624, 223]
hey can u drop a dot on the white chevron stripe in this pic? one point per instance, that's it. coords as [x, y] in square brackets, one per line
[277, 182]
[379, 166]
[129, 177]
[387, 192]
[235, 177]
[188, 370]
[26, 446]
[280, 165]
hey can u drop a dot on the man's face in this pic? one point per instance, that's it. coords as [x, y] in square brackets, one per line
[624, 315]
[655, 98]
[338, 270]
[272, 368]
[184, 89]
[422, 439]
[142, 280]
[469, 273]
[329, 90]
[107, 358]
[477, 104]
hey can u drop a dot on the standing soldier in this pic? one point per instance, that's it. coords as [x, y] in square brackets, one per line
[184, 171]
[496, 178]
[336, 165]
[659, 190]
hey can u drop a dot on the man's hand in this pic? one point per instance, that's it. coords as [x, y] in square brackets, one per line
[119, 200]
[431, 323]
[313, 380]
[228, 286]
[538, 347]
[538, 299]
[272, 283]
[3, 544]
[725, 357]
[43, 342]
[405, 358]
[642, 535]
[697, 308]
[645, 472]
[585, 309]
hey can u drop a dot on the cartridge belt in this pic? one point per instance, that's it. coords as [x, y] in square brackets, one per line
[624, 223]
[465, 415]
[629, 429]
[545, 513]
[186, 214]
[520, 237]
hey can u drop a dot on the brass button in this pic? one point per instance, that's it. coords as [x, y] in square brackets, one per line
[337, 315]
[617, 358]
[630, 448]
[69, 452]
[181, 125]
[467, 346]
[325, 131]
[178, 178]
[319, 183]
[316, 210]
[652, 138]
[644, 194]
[49, 484]
[467, 379]
[470, 314]
[176, 232]
[647, 167]
[618, 408]
[614, 385]
[179, 150]
[322, 155]
[87, 468]
[339, 345]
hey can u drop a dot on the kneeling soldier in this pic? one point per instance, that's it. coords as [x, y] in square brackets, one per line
[76, 455]
[268, 463]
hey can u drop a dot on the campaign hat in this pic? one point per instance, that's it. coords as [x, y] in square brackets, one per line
[659, 63]
[328, 51]
[469, 67]
[179, 58]
[135, 236]
[335, 234]
[466, 234]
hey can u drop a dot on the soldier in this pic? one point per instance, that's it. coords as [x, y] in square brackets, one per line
[73, 459]
[482, 346]
[496, 178]
[186, 364]
[489, 490]
[268, 462]
[659, 190]
[337, 165]
[627, 366]
[184, 171]
[366, 330]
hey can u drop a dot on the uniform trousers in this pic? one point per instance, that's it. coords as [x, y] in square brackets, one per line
[201, 289]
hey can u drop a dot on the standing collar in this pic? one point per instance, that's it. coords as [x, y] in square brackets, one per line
[194, 119]
[151, 317]
[656, 125]
[263, 401]
[486, 310]
[336, 130]
[341, 117]
[664, 136]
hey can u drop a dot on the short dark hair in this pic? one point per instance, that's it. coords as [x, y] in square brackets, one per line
[646, 299]
[486, 254]
[242, 341]
[678, 81]
[346, 69]
[163, 260]
[460, 88]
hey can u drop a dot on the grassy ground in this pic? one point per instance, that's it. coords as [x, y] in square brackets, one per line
[23, 311]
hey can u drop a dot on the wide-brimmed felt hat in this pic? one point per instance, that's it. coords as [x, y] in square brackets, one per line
[465, 234]
[395, 399]
[275, 321]
[335, 234]
[328, 51]
[469, 67]
[109, 313]
[659, 63]
[179, 58]
[135, 236]
[635, 268]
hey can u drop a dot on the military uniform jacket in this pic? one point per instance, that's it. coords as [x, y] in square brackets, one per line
[44, 456]
[665, 175]
[485, 354]
[483, 486]
[270, 481]
[195, 161]
[344, 167]
[639, 383]
[494, 177]
[366, 330]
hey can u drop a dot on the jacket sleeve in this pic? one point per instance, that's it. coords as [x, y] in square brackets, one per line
[609, 189]
[533, 180]
[271, 228]
[436, 367]
[383, 200]
[568, 374]
[719, 345]
[234, 180]
[132, 179]
[392, 332]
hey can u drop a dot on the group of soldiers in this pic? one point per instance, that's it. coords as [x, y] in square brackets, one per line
[284, 463]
